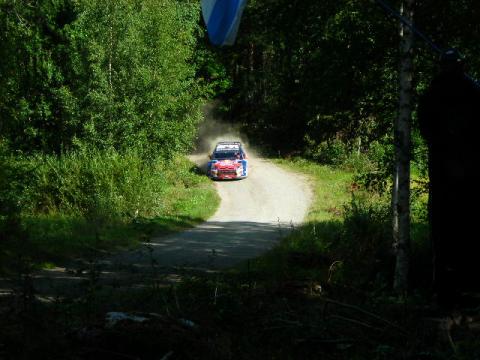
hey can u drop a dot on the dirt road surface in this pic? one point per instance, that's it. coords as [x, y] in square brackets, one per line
[253, 215]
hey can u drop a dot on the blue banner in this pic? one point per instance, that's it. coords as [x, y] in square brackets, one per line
[223, 19]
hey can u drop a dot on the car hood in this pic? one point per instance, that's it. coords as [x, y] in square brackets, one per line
[229, 164]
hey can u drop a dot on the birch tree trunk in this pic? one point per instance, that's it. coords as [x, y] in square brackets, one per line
[402, 138]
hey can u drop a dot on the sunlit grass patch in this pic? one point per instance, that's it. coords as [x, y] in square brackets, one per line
[95, 202]
[347, 235]
[331, 187]
[303, 252]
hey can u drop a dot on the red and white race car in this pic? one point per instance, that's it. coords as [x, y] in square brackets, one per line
[228, 161]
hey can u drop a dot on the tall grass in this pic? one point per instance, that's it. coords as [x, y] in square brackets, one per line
[95, 183]
[93, 200]
[347, 236]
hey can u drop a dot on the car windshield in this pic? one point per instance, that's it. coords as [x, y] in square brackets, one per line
[225, 155]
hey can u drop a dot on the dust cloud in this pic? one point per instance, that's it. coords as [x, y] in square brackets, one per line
[213, 129]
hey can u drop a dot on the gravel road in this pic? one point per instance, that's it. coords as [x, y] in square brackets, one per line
[253, 215]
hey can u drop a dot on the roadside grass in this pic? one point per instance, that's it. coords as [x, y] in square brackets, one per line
[346, 239]
[302, 254]
[89, 204]
[331, 187]
[283, 305]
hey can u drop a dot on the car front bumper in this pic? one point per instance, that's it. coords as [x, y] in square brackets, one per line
[226, 175]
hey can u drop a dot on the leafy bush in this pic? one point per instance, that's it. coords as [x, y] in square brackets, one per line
[357, 162]
[365, 245]
[333, 152]
[371, 165]
[116, 74]
[14, 179]
[99, 199]
[377, 175]
[93, 183]
[419, 155]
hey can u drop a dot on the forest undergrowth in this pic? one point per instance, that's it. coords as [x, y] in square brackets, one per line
[89, 203]
[323, 292]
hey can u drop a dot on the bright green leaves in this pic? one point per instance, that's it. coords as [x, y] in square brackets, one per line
[141, 88]
[108, 74]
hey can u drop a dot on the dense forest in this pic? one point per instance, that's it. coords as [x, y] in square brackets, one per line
[305, 73]
[303, 77]
[104, 75]
[100, 102]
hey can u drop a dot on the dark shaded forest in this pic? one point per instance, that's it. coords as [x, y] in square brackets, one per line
[305, 74]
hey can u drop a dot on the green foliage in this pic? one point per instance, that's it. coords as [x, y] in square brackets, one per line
[308, 73]
[333, 152]
[326, 70]
[85, 201]
[14, 179]
[110, 74]
[330, 185]
[33, 98]
[420, 156]
[347, 238]
[97, 184]
[16, 251]
[141, 90]
[94, 97]
[211, 71]
[365, 245]
[376, 176]
[371, 165]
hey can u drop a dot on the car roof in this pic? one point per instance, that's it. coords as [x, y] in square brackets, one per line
[228, 146]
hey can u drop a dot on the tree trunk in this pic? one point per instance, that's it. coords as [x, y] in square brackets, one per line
[401, 184]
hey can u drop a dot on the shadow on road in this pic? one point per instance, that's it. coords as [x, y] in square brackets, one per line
[213, 244]
[209, 247]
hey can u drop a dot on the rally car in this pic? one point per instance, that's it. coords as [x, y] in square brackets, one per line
[228, 161]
